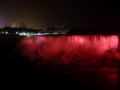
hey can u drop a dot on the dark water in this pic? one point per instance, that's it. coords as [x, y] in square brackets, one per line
[92, 62]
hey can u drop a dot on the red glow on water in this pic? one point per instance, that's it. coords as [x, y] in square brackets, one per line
[111, 80]
[77, 49]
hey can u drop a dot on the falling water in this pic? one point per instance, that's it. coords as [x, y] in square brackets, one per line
[78, 50]
[82, 49]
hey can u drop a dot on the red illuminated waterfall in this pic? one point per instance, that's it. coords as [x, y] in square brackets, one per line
[78, 49]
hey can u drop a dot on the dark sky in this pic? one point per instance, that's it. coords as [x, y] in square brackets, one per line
[72, 13]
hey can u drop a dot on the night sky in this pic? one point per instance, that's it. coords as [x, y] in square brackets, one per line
[71, 13]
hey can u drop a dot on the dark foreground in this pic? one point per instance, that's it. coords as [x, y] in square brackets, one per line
[19, 71]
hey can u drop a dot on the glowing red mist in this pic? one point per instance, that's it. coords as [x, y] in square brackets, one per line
[83, 50]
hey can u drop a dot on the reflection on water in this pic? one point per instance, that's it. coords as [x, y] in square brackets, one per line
[77, 50]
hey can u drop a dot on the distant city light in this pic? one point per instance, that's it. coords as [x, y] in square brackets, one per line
[6, 32]
[29, 34]
[17, 33]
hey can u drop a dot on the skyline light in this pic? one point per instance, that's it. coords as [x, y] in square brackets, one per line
[70, 13]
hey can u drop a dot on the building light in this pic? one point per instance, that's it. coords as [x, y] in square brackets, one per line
[16, 32]
[6, 32]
